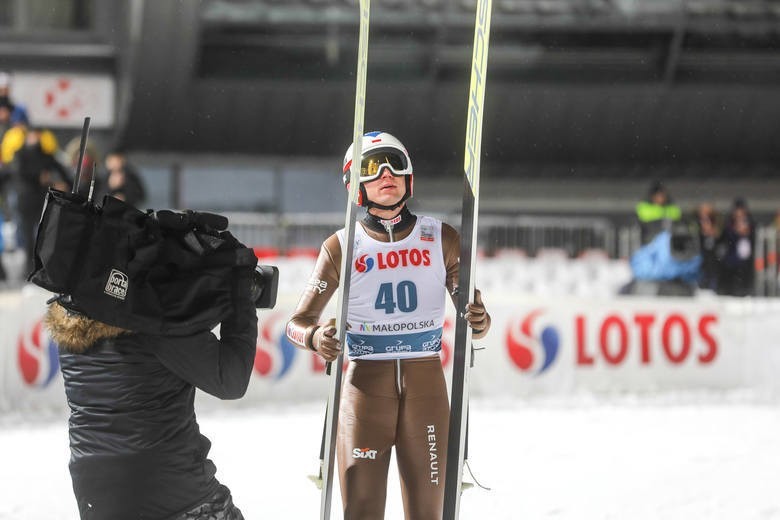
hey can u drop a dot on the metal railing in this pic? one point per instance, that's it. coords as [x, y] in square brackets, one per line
[303, 233]
[529, 234]
[532, 234]
[766, 282]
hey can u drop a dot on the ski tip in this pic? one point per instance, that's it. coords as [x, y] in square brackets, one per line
[317, 480]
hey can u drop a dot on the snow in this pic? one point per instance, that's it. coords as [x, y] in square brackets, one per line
[713, 457]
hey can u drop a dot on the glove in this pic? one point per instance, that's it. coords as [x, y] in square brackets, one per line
[324, 342]
[476, 315]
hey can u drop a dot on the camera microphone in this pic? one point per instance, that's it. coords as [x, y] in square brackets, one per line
[184, 221]
[210, 221]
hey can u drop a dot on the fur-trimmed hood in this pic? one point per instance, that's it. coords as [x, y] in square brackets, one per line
[76, 333]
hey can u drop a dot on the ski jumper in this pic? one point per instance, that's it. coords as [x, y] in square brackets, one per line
[394, 391]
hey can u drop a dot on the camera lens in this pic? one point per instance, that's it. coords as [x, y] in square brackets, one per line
[263, 286]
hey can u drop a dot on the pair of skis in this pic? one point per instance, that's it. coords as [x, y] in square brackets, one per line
[462, 358]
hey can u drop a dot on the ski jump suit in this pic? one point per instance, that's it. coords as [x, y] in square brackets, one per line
[394, 391]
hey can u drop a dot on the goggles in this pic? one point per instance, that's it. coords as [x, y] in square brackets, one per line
[376, 161]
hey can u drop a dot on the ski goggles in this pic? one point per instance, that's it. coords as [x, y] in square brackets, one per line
[374, 163]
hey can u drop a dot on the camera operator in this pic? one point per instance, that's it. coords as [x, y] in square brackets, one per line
[136, 448]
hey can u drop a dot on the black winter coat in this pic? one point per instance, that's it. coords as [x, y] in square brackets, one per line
[136, 449]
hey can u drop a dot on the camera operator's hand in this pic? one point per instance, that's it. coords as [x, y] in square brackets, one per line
[477, 316]
[325, 343]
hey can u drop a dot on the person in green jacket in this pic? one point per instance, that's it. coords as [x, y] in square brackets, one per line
[656, 212]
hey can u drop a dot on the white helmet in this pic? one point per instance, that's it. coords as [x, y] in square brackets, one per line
[380, 150]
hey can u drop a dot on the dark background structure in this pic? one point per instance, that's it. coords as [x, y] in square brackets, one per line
[594, 92]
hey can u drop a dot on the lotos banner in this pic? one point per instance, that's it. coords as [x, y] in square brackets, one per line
[30, 378]
[537, 346]
[622, 344]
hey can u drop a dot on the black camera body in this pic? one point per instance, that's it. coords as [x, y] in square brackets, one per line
[264, 282]
[163, 273]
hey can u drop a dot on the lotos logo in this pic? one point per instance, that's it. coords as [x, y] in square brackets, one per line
[275, 353]
[37, 356]
[394, 259]
[525, 347]
[651, 338]
[364, 264]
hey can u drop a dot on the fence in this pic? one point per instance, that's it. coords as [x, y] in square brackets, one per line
[528, 234]
[301, 234]
[766, 261]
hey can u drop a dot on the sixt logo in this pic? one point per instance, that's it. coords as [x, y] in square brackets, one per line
[364, 453]
[37, 356]
[364, 264]
[525, 347]
[275, 353]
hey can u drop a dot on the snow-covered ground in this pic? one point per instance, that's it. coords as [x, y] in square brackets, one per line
[710, 457]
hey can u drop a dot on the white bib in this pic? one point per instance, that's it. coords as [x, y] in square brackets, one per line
[397, 294]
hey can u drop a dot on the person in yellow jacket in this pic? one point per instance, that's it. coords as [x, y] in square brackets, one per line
[34, 169]
[656, 212]
[14, 139]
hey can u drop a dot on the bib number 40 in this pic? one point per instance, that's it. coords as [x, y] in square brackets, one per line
[402, 297]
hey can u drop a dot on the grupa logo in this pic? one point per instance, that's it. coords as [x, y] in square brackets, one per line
[532, 350]
[364, 264]
[275, 353]
[37, 356]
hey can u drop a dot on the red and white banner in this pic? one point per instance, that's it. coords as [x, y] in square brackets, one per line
[30, 379]
[63, 100]
[537, 346]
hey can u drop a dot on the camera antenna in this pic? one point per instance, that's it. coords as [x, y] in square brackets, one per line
[92, 182]
[82, 148]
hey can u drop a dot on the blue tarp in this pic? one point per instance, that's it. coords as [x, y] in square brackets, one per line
[654, 261]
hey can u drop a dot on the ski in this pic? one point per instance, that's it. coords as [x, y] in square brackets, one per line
[463, 354]
[335, 369]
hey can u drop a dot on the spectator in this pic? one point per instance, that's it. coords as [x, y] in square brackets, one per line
[3, 276]
[34, 171]
[6, 108]
[5, 124]
[736, 251]
[17, 112]
[14, 139]
[656, 212]
[708, 227]
[122, 180]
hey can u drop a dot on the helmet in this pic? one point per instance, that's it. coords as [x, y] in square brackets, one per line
[380, 150]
